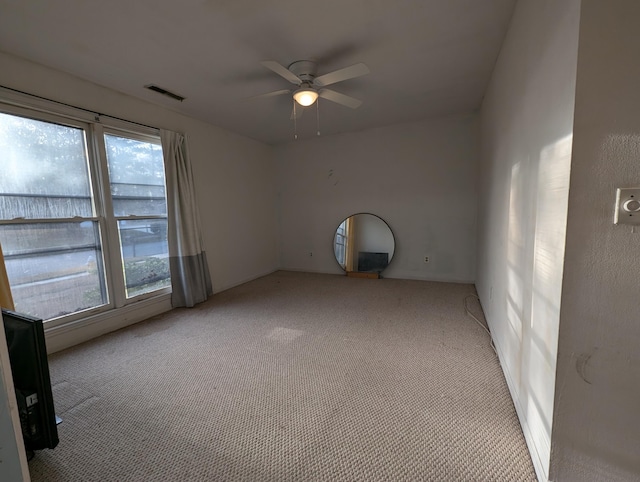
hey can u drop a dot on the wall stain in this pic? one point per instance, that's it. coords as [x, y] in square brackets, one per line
[582, 362]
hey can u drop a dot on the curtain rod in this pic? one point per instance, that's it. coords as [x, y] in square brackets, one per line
[99, 114]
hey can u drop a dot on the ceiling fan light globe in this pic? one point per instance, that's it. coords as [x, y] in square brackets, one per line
[305, 97]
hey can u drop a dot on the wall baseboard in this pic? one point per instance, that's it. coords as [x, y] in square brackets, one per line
[391, 275]
[439, 279]
[538, 465]
[526, 430]
[75, 332]
[244, 280]
[314, 271]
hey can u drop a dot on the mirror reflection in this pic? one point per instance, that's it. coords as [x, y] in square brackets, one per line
[363, 243]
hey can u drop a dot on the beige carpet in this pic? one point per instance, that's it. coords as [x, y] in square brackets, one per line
[292, 377]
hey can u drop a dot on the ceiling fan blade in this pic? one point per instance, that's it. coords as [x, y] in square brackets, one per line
[282, 71]
[355, 70]
[270, 94]
[339, 98]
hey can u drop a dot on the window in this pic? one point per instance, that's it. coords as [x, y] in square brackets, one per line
[83, 221]
[136, 178]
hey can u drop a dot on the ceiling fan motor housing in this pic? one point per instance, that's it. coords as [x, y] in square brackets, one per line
[306, 70]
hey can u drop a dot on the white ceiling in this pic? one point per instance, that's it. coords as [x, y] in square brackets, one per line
[428, 58]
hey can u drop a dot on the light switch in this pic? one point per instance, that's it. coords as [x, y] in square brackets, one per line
[627, 206]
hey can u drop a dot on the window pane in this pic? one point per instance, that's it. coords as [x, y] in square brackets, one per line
[146, 255]
[136, 172]
[54, 268]
[339, 250]
[44, 170]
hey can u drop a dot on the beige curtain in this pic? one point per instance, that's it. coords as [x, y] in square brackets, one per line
[6, 300]
[190, 279]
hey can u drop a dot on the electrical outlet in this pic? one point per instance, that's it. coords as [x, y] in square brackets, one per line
[426, 259]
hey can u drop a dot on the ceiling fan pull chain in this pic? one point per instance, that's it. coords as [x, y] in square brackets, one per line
[295, 122]
[318, 115]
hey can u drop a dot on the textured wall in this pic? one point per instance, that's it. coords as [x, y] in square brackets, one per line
[526, 135]
[596, 431]
[419, 177]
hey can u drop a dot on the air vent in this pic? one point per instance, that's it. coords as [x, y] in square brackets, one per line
[162, 91]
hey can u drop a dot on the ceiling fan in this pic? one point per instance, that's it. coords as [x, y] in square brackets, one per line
[310, 86]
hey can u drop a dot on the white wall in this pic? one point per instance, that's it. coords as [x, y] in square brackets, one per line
[526, 136]
[235, 183]
[596, 429]
[419, 177]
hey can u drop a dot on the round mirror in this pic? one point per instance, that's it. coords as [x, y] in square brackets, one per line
[363, 243]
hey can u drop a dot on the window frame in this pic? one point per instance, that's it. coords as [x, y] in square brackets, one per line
[112, 220]
[100, 188]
